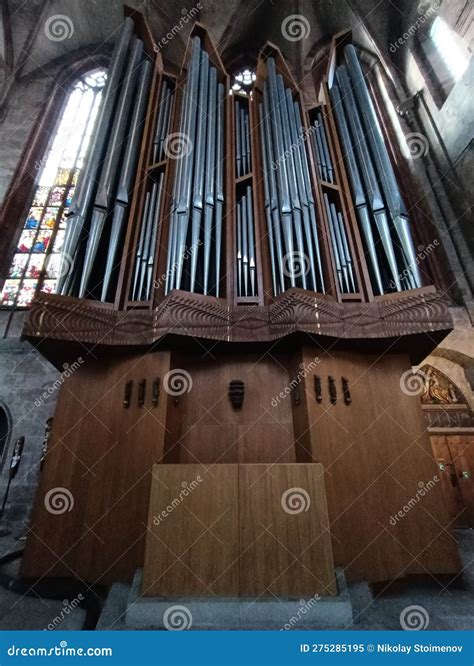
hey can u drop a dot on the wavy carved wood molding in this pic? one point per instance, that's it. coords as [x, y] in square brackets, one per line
[181, 313]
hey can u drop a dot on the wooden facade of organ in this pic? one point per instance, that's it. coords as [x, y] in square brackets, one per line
[256, 323]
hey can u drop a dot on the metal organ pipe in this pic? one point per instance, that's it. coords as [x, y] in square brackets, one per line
[106, 188]
[127, 174]
[80, 210]
[285, 155]
[356, 186]
[99, 213]
[372, 177]
[209, 188]
[198, 191]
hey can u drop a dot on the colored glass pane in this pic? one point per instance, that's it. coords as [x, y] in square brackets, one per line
[36, 264]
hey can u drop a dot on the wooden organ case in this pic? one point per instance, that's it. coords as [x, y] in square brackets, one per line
[244, 292]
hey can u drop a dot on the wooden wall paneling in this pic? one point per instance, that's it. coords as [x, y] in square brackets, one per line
[284, 553]
[297, 371]
[377, 457]
[102, 454]
[212, 431]
[80, 418]
[119, 494]
[461, 448]
[92, 556]
[193, 547]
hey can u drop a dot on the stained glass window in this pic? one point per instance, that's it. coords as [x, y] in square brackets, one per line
[243, 81]
[36, 263]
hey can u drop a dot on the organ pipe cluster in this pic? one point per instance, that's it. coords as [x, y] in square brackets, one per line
[145, 254]
[324, 161]
[146, 248]
[242, 139]
[246, 265]
[99, 211]
[289, 203]
[381, 212]
[163, 122]
[340, 248]
[195, 236]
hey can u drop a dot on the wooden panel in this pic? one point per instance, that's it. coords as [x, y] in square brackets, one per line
[285, 543]
[192, 546]
[100, 459]
[377, 458]
[212, 431]
[461, 449]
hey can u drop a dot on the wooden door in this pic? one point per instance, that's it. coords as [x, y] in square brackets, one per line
[89, 519]
[461, 449]
[228, 530]
[192, 546]
[284, 533]
[447, 473]
[387, 512]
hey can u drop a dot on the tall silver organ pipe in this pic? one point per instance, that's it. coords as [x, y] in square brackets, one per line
[245, 246]
[127, 176]
[99, 210]
[243, 160]
[381, 212]
[183, 187]
[290, 213]
[196, 216]
[163, 122]
[324, 161]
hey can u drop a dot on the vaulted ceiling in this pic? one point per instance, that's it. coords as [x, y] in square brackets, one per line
[239, 27]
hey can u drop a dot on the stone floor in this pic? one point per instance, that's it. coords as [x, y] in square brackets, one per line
[446, 609]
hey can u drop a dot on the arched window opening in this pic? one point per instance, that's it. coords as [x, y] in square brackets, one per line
[243, 81]
[442, 58]
[450, 48]
[36, 262]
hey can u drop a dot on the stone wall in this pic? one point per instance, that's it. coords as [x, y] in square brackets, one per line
[24, 376]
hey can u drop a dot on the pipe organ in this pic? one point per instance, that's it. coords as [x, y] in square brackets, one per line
[203, 225]
[238, 240]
